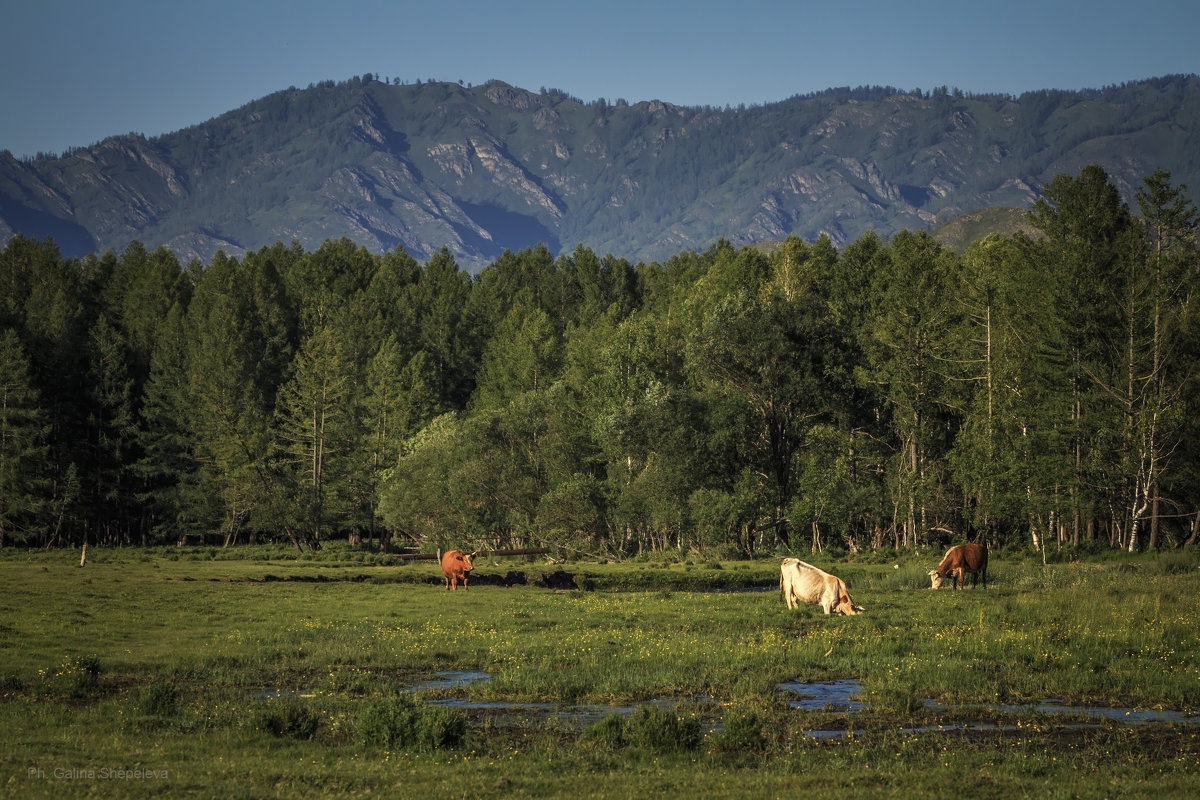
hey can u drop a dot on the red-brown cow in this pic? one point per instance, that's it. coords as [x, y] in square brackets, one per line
[958, 561]
[455, 566]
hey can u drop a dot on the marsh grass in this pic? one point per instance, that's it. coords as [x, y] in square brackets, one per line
[403, 722]
[286, 716]
[267, 675]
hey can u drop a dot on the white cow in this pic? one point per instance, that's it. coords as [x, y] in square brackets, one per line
[804, 583]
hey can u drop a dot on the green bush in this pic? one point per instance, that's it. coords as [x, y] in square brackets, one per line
[405, 722]
[743, 731]
[658, 730]
[159, 700]
[288, 717]
[650, 728]
[609, 732]
[86, 675]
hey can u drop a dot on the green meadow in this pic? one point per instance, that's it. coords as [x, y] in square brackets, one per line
[257, 672]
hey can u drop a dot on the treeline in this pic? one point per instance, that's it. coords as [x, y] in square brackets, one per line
[1041, 391]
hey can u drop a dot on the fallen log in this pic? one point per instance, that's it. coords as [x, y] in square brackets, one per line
[525, 551]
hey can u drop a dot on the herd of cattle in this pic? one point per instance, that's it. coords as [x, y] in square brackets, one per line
[803, 583]
[800, 582]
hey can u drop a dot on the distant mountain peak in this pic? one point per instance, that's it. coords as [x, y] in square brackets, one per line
[481, 169]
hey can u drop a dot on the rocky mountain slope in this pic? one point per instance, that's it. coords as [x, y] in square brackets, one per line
[480, 169]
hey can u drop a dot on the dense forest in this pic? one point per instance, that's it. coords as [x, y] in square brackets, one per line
[1040, 390]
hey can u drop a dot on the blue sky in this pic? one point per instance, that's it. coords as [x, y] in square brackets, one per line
[75, 71]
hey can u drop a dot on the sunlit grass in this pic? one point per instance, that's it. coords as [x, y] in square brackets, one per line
[218, 669]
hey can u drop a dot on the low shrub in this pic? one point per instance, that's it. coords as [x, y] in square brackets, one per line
[405, 722]
[743, 731]
[608, 732]
[159, 700]
[661, 731]
[287, 718]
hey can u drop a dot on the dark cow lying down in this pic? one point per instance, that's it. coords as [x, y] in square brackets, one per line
[959, 560]
[804, 583]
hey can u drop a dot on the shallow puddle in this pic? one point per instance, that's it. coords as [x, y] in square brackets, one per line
[1058, 708]
[829, 696]
[839, 696]
[451, 679]
[823, 695]
[501, 710]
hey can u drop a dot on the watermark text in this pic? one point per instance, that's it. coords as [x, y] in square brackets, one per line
[101, 773]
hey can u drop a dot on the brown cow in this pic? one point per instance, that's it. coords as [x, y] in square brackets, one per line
[804, 583]
[958, 561]
[455, 566]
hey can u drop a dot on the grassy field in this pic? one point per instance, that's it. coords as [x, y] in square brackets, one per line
[256, 673]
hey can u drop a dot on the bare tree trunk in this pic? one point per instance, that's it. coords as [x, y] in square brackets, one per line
[1153, 543]
[1195, 530]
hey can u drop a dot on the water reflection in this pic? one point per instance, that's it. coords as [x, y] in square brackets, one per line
[839, 696]
[451, 679]
[823, 695]
[1052, 707]
[502, 710]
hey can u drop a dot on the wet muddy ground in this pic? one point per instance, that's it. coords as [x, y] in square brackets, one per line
[839, 697]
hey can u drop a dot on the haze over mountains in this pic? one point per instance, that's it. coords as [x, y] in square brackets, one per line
[480, 169]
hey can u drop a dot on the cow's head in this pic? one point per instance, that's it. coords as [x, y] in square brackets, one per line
[936, 579]
[468, 561]
[847, 606]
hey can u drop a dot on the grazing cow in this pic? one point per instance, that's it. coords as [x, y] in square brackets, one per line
[455, 566]
[804, 583]
[958, 561]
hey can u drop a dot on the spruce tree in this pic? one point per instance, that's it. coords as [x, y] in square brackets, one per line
[22, 446]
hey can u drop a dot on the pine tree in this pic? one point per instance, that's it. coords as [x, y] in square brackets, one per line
[22, 445]
[1008, 362]
[230, 407]
[1088, 242]
[400, 400]
[1167, 281]
[112, 434]
[168, 468]
[314, 437]
[906, 359]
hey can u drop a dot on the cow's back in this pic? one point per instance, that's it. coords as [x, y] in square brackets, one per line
[451, 559]
[968, 557]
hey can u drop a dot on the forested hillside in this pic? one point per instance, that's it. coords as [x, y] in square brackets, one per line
[481, 169]
[1039, 389]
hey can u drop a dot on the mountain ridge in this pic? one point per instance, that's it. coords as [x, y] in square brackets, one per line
[481, 169]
